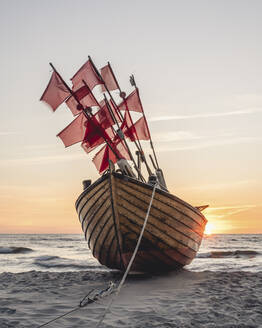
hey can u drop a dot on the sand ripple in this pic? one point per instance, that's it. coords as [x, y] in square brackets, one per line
[181, 299]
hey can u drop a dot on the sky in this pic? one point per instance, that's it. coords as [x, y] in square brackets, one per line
[199, 70]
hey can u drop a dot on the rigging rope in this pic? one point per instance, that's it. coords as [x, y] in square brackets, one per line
[131, 260]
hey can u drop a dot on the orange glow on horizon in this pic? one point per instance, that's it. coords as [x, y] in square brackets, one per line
[209, 229]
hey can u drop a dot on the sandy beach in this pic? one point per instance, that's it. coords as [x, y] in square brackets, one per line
[177, 299]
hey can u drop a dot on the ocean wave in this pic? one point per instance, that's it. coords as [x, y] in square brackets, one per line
[54, 239]
[224, 254]
[56, 262]
[15, 250]
[47, 258]
[68, 239]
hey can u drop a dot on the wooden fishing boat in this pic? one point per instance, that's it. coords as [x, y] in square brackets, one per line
[112, 211]
[115, 209]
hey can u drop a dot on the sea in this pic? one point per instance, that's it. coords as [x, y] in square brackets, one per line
[69, 252]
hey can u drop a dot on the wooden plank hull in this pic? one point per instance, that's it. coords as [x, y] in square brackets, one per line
[112, 213]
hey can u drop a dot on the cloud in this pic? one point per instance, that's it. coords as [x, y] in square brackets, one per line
[176, 136]
[225, 211]
[233, 207]
[206, 115]
[7, 133]
[218, 141]
[41, 147]
[225, 185]
[42, 160]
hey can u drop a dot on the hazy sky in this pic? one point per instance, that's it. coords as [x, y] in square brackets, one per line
[199, 68]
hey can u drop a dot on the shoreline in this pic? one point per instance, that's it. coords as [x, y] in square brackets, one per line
[175, 299]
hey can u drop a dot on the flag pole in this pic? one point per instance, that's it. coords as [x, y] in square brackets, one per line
[115, 121]
[132, 81]
[122, 137]
[137, 143]
[84, 110]
[101, 78]
[140, 149]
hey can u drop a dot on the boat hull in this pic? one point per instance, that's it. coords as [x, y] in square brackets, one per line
[112, 212]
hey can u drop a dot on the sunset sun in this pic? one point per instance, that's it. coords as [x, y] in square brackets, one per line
[209, 230]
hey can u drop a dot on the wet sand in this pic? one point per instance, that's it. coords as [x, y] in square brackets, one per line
[177, 299]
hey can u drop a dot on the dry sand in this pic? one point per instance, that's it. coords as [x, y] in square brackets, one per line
[178, 299]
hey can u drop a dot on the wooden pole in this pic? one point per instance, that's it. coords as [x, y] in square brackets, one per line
[122, 137]
[101, 78]
[137, 143]
[115, 121]
[133, 82]
[139, 148]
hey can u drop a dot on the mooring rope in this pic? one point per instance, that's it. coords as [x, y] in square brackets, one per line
[84, 302]
[87, 300]
[130, 262]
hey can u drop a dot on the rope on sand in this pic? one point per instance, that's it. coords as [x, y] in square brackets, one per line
[110, 289]
[85, 301]
[130, 262]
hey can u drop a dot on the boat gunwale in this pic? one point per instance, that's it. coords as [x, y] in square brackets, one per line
[92, 186]
[147, 186]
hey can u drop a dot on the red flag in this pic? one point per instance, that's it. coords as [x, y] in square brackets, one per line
[74, 132]
[101, 159]
[84, 97]
[136, 131]
[132, 103]
[104, 116]
[87, 73]
[139, 130]
[109, 78]
[89, 147]
[55, 93]
[94, 135]
[86, 130]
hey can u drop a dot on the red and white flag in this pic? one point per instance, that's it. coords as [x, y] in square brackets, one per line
[91, 143]
[132, 103]
[109, 78]
[84, 96]
[104, 115]
[74, 132]
[101, 159]
[55, 92]
[87, 73]
[86, 130]
[136, 131]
